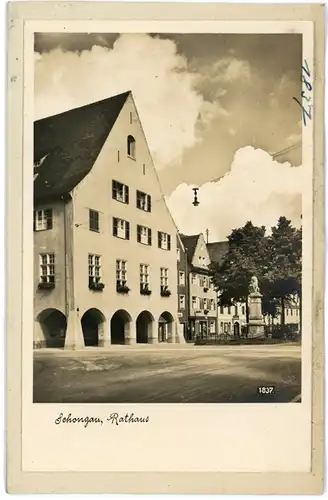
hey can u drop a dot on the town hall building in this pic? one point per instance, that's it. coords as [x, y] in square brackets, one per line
[105, 255]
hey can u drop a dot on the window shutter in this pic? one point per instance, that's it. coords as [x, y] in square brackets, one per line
[168, 242]
[126, 194]
[127, 230]
[34, 220]
[114, 226]
[97, 221]
[48, 215]
[149, 236]
[159, 239]
[149, 203]
[138, 199]
[138, 233]
[90, 219]
[114, 190]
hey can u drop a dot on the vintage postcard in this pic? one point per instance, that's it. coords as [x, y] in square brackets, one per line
[165, 248]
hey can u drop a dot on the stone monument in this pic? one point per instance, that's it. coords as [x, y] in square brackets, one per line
[255, 322]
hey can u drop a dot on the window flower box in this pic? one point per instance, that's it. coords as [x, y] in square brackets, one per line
[144, 290]
[97, 287]
[206, 311]
[205, 289]
[165, 292]
[122, 288]
[46, 286]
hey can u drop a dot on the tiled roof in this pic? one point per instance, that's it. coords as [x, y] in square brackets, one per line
[189, 242]
[67, 145]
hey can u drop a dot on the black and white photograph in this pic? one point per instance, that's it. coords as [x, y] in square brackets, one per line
[167, 221]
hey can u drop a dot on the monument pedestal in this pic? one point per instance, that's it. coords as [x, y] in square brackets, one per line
[256, 323]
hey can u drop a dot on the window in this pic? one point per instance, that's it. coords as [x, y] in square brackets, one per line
[120, 192]
[121, 272]
[229, 327]
[201, 303]
[121, 228]
[296, 312]
[242, 309]
[164, 278]
[221, 327]
[144, 169]
[130, 118]
[212, 326]
[144, 274]
[212, 305]
[42, 219]
[178, 254]
[229, 310]
[131, 147]
[194, 302]
[182, 301]
[182, 281]
[93, 220]
[47, 268]
[118, 156]
[201, 281]
[200, 261]
[94, 263]
[143, 235]
[221, 310]
[236, 310]
[291, 312]
[194, 279]
[143, 201]
[164, 241]
[286, 312]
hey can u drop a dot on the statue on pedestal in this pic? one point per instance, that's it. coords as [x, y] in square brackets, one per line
[256, 323]
[254, 285]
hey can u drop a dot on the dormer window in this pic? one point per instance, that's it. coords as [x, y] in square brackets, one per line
[131, 147]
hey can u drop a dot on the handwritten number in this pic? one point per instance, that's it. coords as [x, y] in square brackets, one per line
[307, 84]
[306, 113]
[305, 68]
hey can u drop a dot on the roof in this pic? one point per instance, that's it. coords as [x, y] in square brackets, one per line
[67, 145]
[218, 250]
[189, 242]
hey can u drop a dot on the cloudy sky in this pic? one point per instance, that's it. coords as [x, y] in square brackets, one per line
[214, 109]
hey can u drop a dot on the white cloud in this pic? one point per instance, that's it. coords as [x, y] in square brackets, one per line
[257, 188]
[171, 110]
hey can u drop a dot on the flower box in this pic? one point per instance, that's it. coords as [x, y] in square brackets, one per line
[206, 311]
[144, 290]
[165, 292]
[97, 287]
[46, 286]
[205, 289]
[122, 288]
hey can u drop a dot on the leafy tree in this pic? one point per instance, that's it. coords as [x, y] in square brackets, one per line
[246, 256]
[276, 260]
[284, 273]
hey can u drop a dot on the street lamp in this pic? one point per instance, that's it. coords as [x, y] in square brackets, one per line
[195, 202]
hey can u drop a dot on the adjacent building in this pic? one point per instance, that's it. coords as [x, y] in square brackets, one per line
[105, 254]
[183, 286]
[202, 297]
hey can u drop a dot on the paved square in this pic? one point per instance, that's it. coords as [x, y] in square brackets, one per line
[143, 374]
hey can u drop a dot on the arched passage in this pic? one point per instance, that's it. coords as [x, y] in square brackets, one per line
[145, 322]
[120, 327]
[165, 327]
[93, 326]
[53, 325]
